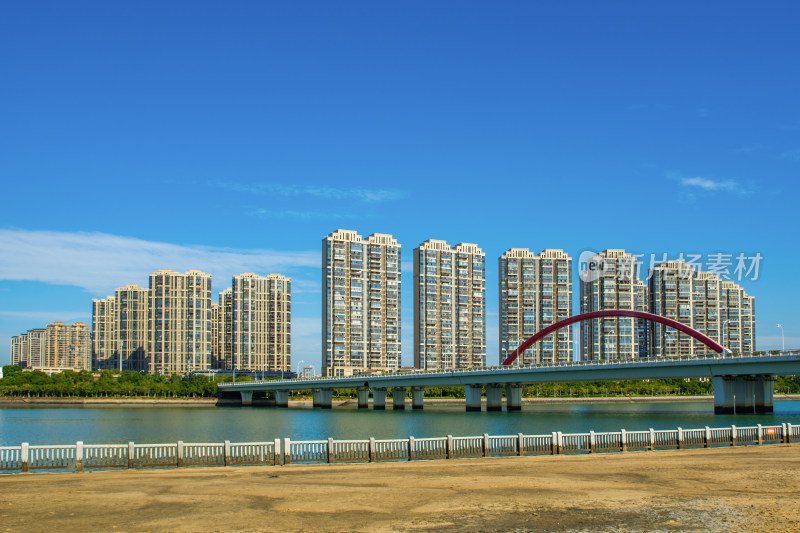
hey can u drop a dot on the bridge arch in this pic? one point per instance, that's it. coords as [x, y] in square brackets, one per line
[683, 328]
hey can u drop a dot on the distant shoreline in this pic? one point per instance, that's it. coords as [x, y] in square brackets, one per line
[338, 402]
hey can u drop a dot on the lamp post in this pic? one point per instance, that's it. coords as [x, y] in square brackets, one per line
[783, 340]
[725, 337]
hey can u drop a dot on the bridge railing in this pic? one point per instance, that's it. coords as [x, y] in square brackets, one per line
[285, 451]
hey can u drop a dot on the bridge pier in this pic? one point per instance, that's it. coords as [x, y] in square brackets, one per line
[723, 394]
[513, 397]
[472, 394]
[322, 398]
[764, 386]
[247, 397]
[494, 398]
[398, 398]
[281, 398]
[417, 397]
[744, 395]
[378, 399]
[363, 397]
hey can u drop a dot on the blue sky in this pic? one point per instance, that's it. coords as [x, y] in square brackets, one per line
[233, 137]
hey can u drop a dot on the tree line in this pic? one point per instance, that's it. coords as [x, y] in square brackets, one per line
[132, 384]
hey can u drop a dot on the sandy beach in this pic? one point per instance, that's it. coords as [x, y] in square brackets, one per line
[723, 489]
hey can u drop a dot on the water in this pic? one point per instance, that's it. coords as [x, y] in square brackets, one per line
[114, 424]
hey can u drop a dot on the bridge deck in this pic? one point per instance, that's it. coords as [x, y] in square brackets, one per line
[785, 363]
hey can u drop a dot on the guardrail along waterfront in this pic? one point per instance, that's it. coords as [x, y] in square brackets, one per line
[79, 456]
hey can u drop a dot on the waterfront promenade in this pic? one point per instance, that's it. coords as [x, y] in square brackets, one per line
[722, 489]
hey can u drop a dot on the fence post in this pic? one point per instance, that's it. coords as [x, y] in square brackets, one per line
[277, 447]
[592, 441]
[707, 439]
[760, 435]
[733, 435]
[331, 458]
[623, 440]
[179, 454]
[79, 456]
[131, 454]
[520, 442]
[787, 432]
[410, 448]
[372, 449]
[486, 445]
[652, 439]
[287, 451]
[554, 444]
[226, 452]
[449, 447]
[23, 456]
[560, 448]
[680, 438]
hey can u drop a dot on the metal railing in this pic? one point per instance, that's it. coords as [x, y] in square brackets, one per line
[78, 456]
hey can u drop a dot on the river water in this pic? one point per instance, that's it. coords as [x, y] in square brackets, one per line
[157, 424]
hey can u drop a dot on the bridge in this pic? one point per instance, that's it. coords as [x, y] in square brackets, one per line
[742, 383]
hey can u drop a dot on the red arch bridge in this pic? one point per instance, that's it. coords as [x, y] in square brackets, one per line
[742, 383]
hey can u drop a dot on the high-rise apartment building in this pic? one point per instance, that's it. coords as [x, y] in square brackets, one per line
[180, 322]
[104, 351]
[449, 306]
[67, 346]
[720, 309]
[611, 281]
[360, 303]
[132, 320]
[670, 290]
[29, 350]
[224, 327]
[535, 292]
[215, 336]
[261, 322]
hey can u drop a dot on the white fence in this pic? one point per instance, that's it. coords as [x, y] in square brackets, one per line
[285, 451]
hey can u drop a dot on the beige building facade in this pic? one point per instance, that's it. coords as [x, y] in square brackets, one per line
[261, 322]
[449, 306]
[611, 281]
[360, 303]
[718, 308]
[535, 291]
[104, 346]
[179, 322]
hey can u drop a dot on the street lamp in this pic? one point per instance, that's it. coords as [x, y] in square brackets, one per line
[725, 338]
[783, 341]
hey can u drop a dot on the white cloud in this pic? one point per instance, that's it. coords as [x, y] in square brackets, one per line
[99, 262]
[328, 193]
[710, 185]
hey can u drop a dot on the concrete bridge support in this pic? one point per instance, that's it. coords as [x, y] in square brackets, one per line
[472, 393]
[281, 398]
[247, 397]
[417, 397]
[398, 398]
[744, 393]
[513, 397]
[723, 394]
[363, 397]
[322, 398]
[764, 386]
[378, 399]
[494, 398]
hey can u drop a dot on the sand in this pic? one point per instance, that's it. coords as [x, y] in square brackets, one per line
[723, 489]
